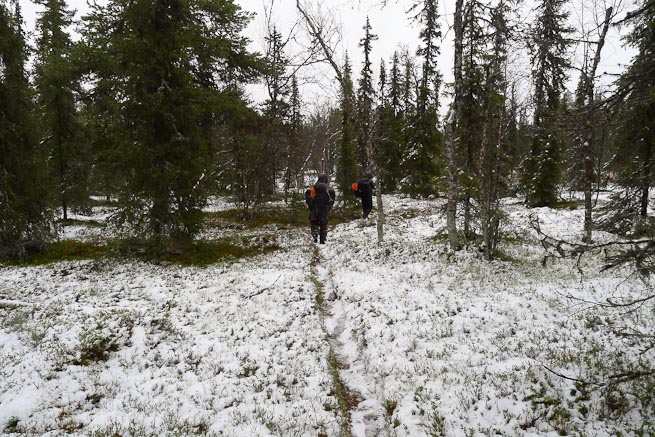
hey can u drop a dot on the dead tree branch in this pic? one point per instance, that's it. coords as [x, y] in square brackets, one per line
[322, 30]
[257, 293]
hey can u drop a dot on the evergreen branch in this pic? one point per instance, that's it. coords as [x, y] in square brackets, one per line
[633, 14]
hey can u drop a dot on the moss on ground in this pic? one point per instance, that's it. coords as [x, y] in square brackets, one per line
[181, 252]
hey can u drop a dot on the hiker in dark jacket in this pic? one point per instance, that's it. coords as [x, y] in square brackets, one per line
[319, 199]
[365, 189]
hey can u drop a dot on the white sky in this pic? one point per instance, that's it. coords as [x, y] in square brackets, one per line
[394, 31]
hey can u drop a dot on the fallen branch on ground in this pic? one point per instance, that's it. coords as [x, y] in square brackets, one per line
[257, 293]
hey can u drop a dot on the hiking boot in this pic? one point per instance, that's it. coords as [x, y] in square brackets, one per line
[315, 238]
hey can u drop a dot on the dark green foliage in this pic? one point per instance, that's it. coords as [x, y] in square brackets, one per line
[496, 140]
[296, 150]
[422, 161]
[622, 214]
[543, 171]
[471, 121]
[56, 85]
[347, 162]
[276, 111]
[549, 45]
[243, 141]
[390, 139]
[23, 222]
[166, 64]
[634, 157]
[365, 99]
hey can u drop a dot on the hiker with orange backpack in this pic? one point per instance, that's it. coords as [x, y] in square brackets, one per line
[319, 199]
[363, 189]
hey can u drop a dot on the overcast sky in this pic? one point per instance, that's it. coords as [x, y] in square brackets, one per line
[394, 29]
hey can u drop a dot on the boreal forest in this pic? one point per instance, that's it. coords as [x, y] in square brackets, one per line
[238, 218]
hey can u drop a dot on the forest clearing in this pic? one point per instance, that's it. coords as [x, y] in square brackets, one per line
[182, 249]
[402, 338]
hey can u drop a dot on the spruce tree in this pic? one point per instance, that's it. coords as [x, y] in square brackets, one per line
[56, 85]
[395, 84]
[365, 100]
[495, 139]
[171, 65]
[389, 136]
[549, 58]
[421, 162]
[276, 110]
[471, 120]
[634, 159]
[23, 221]
[408, 112]
[347, 166]
[295, 151]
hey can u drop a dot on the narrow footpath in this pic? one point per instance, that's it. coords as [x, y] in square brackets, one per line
[360, 410]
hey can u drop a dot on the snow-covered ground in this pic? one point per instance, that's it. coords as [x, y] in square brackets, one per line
[425, 342]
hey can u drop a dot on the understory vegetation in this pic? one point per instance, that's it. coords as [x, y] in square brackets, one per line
[256, 343]
[157, 275]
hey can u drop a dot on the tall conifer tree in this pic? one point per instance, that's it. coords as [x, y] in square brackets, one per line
[495, 150]
[634, 159]
[365, 100]
[56, 86]
[347, 164]
[276, 110]
[549, 46]
[171, 65]
[421, 163]
[389, 138]
[471, 121]
[23, 220]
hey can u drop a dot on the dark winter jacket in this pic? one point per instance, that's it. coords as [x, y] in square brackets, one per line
[365, 188]
[319, 199]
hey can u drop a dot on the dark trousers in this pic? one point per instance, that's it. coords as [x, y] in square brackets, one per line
[367, 205]
[319, 228]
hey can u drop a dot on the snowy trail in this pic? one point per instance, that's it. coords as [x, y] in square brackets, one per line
[366, 417]
[418, 341]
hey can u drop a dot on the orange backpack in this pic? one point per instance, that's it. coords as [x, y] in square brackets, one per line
[354, 186]
[312, 192]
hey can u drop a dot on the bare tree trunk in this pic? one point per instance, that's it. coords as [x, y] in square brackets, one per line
[645, 182]
[467, 218]
[320, 31]
[287, 180]
[451, 129]
[486, 193]
[451, 207]
[380, 206]
[587, 147]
